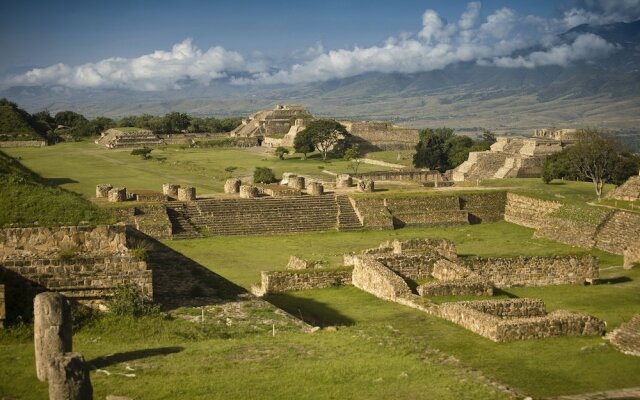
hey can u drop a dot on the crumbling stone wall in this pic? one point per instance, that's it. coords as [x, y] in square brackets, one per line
[299, 263]
[620, 231]
[117, 195]
[535, 271]
[527, 211]
[441, 247]
[102, 190]
[463, 287]
[232, 186]
[409, 266]
[632, 255]
[284, 281]
[571, 232]
[375, 278]
[22, 143]
[627, 336]
[170, 189]
[484, 207]
[276, 190]
[415, 175]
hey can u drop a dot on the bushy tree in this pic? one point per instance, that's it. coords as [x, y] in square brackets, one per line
[303, 143]
[432, 151]
[281, 152]
[264, 175]
[325, 134]
[352, 154]
[69, 118]
[144, 152]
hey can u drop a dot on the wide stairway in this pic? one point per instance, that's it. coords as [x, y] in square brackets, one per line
[266, 215]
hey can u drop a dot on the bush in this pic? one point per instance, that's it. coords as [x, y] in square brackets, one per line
[264, 175]
[281, 152]
[67, 253]
[144, 153]
[128, 300]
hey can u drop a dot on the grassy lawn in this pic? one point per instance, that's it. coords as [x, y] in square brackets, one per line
[391, 156]
[80, 166]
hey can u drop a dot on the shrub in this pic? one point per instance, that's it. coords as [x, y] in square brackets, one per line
[67, 253]
[264, 175]
[128, 300]
[144, 153]
[281, 152]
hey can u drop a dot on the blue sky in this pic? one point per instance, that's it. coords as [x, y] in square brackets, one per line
[266, 38]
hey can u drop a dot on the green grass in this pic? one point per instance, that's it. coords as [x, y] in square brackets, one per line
[391, 156]
[202, 168]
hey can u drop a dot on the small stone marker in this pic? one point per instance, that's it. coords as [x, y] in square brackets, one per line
[248, 191]
[170, 189]
[187, 193]
[51, 329]
[315, 189]
[102, 190]
[344, 181]
[69, 378]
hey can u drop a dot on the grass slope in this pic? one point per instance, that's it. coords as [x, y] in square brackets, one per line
[15, 124]
[26, 199]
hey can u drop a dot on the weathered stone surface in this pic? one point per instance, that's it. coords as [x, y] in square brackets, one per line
[436, 247]
[375, 278]
[284, 281]
[344, 181]
[248, 191]
[627, 336]
[621, 230]
[416, 175]
[170, 189]
[187, 193]
[373, 214]
[117, 195]
[632, 255]
[628, 191]
[299, 263]
[3, 311]
[468, 286]
[68, 377]
[411, 266]
[366, 185]
[232, 186]
[296, 182]
[527, 211]
[51, 330]
[102, 190]
[315, 189]
[275, 190]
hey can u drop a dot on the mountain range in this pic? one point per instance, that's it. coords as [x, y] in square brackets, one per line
[604, 93]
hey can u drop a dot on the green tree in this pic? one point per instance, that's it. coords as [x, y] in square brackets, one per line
[352, 154]
[264, 175]
[303, 143]
[558, 166]
[458, 148]
[69, 118]
[325, 134]
[281, 152]
[432, 149]
[144, 152]
[176, 122]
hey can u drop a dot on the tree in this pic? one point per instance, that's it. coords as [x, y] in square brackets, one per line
[176, 122]
[458, 148]
[264, 175]
[594, 157]
[352, 154]
[281, 151]
[558, 166]
[69, 118]
[431, 150]
[303, 143]
[325, 134]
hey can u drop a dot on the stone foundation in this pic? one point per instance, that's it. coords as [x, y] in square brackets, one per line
[102, 190]
[296, 182]
[344, 181]
[464, 287]
[315, 189]
[248, 191]
[284, 281]
[117, 195]
[186, 193]
[232, 186]
[171, 190]
[296, 263]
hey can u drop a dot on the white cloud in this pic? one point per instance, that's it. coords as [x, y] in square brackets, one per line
[435, 46]
[585, 47]
[156, 71]
[598, 12]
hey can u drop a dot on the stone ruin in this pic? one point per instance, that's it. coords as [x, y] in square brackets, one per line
[381, 135]
[187, 193]
[627, 336]
[120, 194]
[117, 195]
[232, 186]
[315, 189]
[366, 186]
[116, 138]
[275, 125]
[564, 135]
[344, 181]
[170, 190]
[66, 372]
[628, 191]
[385, 271]
[248, 192]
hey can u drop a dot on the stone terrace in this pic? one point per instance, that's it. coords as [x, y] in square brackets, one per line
[627, 337]
[264, 215]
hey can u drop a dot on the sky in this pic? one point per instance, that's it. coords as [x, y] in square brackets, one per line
[157, 45]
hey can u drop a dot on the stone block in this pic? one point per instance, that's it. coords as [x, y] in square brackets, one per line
[232, 186]
[102, 190]
[117, 195]
[187, 193]
[344, 181]
[248, 192]
[315, 189]
[296, 182]
[170, 189]
[51, 330]
[69, 378]
[366, 186]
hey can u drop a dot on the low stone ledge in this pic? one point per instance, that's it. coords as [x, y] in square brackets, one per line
[296, 263]
[473, 287]
[375, 278]
[284, 281]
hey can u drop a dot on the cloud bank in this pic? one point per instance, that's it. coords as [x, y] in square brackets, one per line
[439, 43]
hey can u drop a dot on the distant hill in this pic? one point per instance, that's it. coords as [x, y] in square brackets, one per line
[26, 200]
[17, 124]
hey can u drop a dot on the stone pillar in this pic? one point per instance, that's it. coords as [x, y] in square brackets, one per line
[69, 378]
[117, 195]
[102, 190]
[366, 185]
[248, 191]
[344, 181]
[51, 329]
[232, 185]
[315, 189]
[187, 193]
[170, 189]
[296, 182]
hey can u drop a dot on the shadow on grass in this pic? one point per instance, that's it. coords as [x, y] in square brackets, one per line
[106, 361]
[57, 181]
[310, 311]
[613, 281]
[502, 292]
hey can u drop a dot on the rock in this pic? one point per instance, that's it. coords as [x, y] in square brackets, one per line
[69, 378]
[51, 330]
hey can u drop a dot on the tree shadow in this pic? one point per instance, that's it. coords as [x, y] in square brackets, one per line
[117, 358]
[310, 311]
[613, 281]
[179, 281]
[58, 181]
[502, 292]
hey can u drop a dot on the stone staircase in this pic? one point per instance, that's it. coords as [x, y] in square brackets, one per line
[347, 218]
[627, 337]
[181, 226]
[509, 169]
[480, 165]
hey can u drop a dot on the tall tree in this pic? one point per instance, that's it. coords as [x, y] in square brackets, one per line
[325, 134]
[432, 149]
[594, 157]
[303, 143]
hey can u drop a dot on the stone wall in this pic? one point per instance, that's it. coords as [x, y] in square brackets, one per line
[620, 231]
[503, 322]
[373, 213]
[373, 277]
[632, 255]
[446, 270]
[284, 281]
[409, 266]
[535, 271]
[299, 263]
[441, 247]
[416, 175]
[43, 242]
[627, 336]
[527, 211]
[464, 287]
[628, 191]
[571, 232]
[484, 207]
[23, 143]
